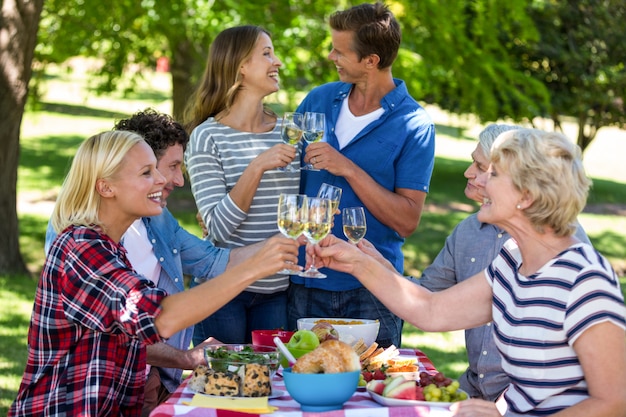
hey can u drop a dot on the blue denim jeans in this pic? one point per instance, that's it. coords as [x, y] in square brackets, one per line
[357, 304]
[249, 311]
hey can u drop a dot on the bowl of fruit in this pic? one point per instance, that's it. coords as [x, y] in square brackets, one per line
[348, 330]
[398, 391]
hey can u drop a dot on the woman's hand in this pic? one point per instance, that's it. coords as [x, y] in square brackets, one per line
[369, 249]
[332, 252]
[475, 408]
[277, 156]
[276, 253]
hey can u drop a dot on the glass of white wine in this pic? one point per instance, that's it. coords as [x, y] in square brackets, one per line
[314, 125]
[317, 228]
[332, 193]
[354, 225]
[292, 217]
[291, 133]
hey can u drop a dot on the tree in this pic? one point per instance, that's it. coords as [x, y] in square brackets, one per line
[462, 61]
[580, 58]
[126, 32]
[18, 36]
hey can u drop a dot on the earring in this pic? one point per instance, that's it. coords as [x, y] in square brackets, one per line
[519, 207]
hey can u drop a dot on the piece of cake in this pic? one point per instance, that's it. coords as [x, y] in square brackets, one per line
[256, 381]
[224, 384]
[199, 378]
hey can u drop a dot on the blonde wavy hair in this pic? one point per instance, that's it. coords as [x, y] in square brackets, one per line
[98, 157]
[548, 167]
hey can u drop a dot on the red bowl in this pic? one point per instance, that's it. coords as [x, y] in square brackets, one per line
[266, 337]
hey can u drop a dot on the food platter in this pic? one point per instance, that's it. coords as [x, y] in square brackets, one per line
[276, 393]
[393, 402]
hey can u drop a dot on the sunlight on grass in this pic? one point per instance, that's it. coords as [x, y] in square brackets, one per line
[16, 298]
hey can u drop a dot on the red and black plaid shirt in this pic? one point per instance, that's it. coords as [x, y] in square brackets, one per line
[93, 316]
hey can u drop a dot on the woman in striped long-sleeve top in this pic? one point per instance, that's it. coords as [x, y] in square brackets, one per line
[232, 159]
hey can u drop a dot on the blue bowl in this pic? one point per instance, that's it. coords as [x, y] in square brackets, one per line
[321, 392]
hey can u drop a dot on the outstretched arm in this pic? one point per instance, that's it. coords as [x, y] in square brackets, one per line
[420, 307]
[189, 307]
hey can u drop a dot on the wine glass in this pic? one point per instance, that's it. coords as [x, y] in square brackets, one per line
[332, 193]
[354, 225]
[291, 133]
[313, 126]
[317, 227]
[292, 217]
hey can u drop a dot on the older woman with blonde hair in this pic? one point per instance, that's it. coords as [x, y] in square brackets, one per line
[93, 314]
[555, 302]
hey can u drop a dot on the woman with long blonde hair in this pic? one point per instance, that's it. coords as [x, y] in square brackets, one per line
[93, 314]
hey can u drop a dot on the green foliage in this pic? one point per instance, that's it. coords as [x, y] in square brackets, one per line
[466, 66]
[495, 59]
[580, 60]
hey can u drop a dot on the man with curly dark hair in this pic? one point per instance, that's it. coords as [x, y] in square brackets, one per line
[161, 250]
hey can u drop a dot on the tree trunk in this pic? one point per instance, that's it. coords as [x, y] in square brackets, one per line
[181, 68]
[18, 36]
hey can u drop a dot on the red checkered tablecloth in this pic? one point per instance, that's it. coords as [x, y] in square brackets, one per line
[360, 405]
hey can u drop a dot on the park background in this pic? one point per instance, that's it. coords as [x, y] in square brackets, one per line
[462, 79]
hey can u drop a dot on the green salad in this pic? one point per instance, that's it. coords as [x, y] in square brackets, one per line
[226, 358]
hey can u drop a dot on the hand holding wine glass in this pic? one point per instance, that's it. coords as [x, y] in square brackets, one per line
[291, 133]
[314, 125]
[292, 217]
[317, 228]
[354, 225]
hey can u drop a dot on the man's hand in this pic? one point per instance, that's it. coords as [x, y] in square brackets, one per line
[323, 156]
[195, 355]
[205, 231]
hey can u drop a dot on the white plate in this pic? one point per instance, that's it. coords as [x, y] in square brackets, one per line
[275, 394]
[392, 402]
[415, 359]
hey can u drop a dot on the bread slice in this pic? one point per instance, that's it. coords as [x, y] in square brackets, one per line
[369, 351]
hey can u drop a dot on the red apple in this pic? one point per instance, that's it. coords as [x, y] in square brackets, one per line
[325, 331]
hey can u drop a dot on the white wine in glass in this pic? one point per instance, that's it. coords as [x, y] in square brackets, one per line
[354, 225]
[317, 228]
[314, 125]
[292, 217]
[291, 133]
[332, 193]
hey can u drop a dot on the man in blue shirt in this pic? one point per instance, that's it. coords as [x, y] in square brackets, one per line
[379, 148]
[160, 249]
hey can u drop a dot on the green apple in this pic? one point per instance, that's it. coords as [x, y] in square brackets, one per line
[303, 340]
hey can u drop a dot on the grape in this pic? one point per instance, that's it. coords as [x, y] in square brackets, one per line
[440, 388]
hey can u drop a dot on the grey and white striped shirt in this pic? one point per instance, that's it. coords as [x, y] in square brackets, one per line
[216, 157]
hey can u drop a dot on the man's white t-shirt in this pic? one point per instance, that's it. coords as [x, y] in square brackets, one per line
[348, 125]
[141, 254]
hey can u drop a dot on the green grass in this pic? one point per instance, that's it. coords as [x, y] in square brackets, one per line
[71, 113]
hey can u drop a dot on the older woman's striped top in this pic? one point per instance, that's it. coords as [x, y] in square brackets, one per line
[216, 157]
[538, 318]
